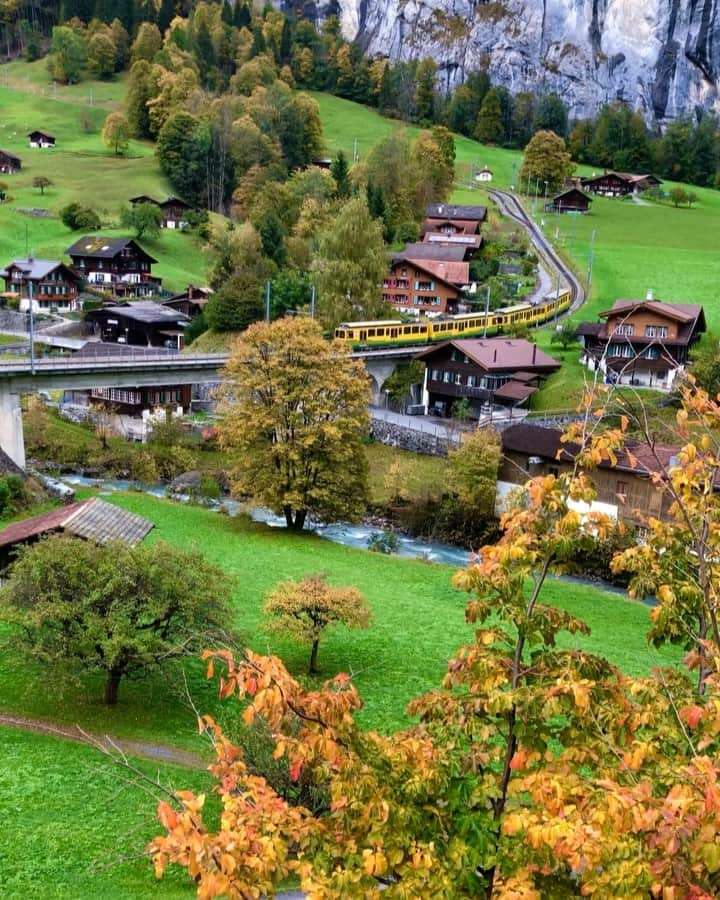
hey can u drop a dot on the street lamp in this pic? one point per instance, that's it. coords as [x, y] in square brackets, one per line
[545, 204]
[537, 182]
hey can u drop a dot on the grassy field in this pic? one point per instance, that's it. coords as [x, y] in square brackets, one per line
[81, 170]
[70, 818]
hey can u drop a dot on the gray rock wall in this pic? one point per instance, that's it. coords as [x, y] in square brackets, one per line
[660, 56]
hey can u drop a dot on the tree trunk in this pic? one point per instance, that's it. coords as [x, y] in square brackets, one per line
[312, 668]
[112, 686]
[299, 522]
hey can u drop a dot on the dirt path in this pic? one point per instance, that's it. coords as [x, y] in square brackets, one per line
[158, 752]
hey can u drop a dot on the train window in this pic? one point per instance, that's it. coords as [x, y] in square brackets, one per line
[415, 329]
[340, 333]
[381, 332]
[371, 332]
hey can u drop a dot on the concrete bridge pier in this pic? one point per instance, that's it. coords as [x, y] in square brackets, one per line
[379, 371]
[11, 427]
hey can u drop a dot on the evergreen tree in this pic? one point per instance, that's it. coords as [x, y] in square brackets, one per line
[551, 115]
[459, 112]
[340, 171]
[272, 236]
[425, 97]
[204, 52]
[227, 14]
[489, 127]
[259, 44]
[703, 156]
[523, 118]
[286, 43]
[166, 14]
[140, 90]
[384, 100]
[241, 17]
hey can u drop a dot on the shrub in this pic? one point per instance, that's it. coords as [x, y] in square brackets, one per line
[385, 541]
[77, 217]
[12, 494]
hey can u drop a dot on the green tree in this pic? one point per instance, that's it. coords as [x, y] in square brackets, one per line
[148, 42]
[143, 219]
[566, 335]
[272, 235]
[446, 142]
[349, 266]
[101, 55]
[400, 384]
[340, 171]
[183, 148]
[42, 182]
[113, 609]
[116, 133]
[426, 83]
[677, 196]
[305, 610]
[523, 118]
[79, 218]
[473, 469]
[295, 411]
[705, 364]
[489, 127]
[140, 89]
[546, 159]
[68, 53]
[551, 115]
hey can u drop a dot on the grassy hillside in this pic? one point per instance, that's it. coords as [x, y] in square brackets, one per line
[81, 170]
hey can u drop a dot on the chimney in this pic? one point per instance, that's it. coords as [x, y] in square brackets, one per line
[649, 295]
[534, 353]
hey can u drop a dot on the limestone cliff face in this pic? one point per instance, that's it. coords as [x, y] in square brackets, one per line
[660, 56]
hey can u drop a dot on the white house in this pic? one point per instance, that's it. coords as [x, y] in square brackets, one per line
[484, 174]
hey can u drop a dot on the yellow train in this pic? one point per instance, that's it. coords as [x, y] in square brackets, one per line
[390, 332]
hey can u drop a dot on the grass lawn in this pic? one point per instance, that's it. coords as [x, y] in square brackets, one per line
[69, 817]
[34, 78]
[81, 170]
[418, 625]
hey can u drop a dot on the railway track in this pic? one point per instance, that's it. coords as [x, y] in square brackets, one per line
[510, 206]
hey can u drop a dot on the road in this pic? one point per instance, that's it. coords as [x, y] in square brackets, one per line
[510, 206]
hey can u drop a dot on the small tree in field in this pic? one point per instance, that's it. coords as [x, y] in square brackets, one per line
[116, 133]
[473, 469]
[546, 159]
[677, 196]
[144, 219]
[113, 609]
[304, 610]
[565, 335]
[42, 182]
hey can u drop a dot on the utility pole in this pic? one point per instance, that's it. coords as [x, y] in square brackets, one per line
[355, 150]
[312, 302]
[32, 327]
[528, 185]
[590, 262]
[537, 182]
[557, 294]
[487, 309]
[572, 232]
[512, 177]
[267, 301]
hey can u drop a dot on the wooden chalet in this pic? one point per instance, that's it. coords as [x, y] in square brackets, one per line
[414, 286]
[117, 265]
[642, 342]
[572, 200]
[141, 323]
[48, 283]
[484, 174]
[626, 490]
[92, 520]
[487, 372]
[41, 139]
[174, 210]
[449, 219]
[619, 184]
[191, 302]
[9, 163]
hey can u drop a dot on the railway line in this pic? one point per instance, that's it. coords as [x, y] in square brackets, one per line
[510, 206]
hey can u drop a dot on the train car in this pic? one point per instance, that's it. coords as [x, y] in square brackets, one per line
[384, 332]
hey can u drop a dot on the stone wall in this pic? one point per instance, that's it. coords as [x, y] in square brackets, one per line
[428, 443]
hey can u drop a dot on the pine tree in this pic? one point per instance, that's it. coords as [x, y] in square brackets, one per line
[286, 43]
[339, 170]
[241, 17]
[166, 14]
[385, 92]
[425, 98]
[489, 127]
[204, 52]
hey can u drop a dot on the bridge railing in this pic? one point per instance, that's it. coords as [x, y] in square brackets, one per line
[126, 360]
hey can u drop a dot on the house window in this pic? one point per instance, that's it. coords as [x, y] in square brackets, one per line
[624, 328]
[458, 378]
[621, 489]
[435, 375]
[649, 331]
[472, 381]
[447, 377]
[662, 331]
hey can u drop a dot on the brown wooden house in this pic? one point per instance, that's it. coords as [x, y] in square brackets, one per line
[141, 323]
[191, 302]
[51, 284]
[619, 184]
[487, 372]
[572, 200]
[9, 163]
[453, 219]
[117, 265]
[41, 139]
[625, 490]
[413, 287]
[642, 342]
[174, 210]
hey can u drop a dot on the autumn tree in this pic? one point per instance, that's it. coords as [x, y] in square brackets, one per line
[473, 470]
[295, 408]
[305, 610]
[68, 53]
[546, 159]
[559, 775]
[147, 43]
[349, 266]
[101, 54]
[42, 182]
[116, 133]
[113, 609]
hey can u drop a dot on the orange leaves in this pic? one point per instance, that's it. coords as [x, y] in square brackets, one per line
[692, 715]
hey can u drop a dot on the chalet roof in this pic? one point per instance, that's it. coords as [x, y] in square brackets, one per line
[590, 329]
[445, 211]
[171, 201]
[466, 226]
[534, 440]
[454, 273]
[10, 155]
[102, 247]
[572, 192]
[195, 294]
[35, 269]
[678, 312]
[92, 519]
[423, 265]
[45, 134]
[145, 311]
[466, 240]
[427, 251]
[144, 198]
[623, 176]
[499, 354]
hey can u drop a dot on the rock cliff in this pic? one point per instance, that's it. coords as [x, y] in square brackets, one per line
[660, 56]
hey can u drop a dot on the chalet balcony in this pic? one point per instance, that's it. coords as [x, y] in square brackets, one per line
[451, 389]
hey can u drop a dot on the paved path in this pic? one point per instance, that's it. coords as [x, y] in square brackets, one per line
[158, 752]
[639, 202]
